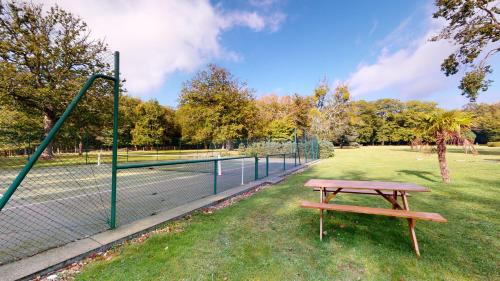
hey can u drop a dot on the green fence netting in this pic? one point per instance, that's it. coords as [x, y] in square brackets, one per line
[67, 194]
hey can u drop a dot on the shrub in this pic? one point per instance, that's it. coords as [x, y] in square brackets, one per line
[326, 149]
[494, 144]
[265, 148]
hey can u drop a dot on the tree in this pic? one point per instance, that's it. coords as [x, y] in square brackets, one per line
[332, 119]
[446, 126]
[472, 25]
[150, 127]
[299, 111]
[216, 107]
[44, 59]
[487, 121]
[275, 117]
[387, 111]
[18, 129]
[365, 121]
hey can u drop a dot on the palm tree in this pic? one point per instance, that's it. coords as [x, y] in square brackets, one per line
[446, 126]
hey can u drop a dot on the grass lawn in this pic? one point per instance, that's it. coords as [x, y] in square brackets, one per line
[268, 237]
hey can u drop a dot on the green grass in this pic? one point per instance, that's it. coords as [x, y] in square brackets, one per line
[268, 237]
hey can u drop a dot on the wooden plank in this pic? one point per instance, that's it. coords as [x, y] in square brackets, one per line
[413, 236]
[375, 211]
[370, 185]
[355, 191]
[395, 204]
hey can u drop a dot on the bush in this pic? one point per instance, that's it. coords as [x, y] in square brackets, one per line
[266, 148]
[326, 149]
[494, 144]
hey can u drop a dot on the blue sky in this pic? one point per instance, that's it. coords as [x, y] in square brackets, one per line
[380, 48]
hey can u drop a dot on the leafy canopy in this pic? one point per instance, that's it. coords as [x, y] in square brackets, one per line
[474, 27]
[215, 107]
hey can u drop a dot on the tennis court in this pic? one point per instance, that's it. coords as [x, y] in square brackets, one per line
[62, 203]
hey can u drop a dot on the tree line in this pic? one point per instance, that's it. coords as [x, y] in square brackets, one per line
[46, 55]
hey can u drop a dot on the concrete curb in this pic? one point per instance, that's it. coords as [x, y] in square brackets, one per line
[57, 258]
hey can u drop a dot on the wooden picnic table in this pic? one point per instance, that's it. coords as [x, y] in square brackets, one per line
[366, 187]
[390, 191]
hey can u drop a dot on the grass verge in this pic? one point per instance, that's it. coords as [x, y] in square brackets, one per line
[268, 237]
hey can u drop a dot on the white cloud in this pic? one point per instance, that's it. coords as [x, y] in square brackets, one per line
[412, 71]
[156, 38]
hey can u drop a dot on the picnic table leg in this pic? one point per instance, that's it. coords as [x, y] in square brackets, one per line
[395, 196]
[411, 225]
[395, 204]
[321, 215]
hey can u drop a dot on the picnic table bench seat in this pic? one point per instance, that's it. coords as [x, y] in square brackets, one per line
[411, 216]
[375, 211]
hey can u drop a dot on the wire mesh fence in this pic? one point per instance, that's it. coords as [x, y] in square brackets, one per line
[65, 196]
[144, 192]
[58, 188]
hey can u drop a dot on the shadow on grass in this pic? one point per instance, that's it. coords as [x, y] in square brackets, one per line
[480, 151]
[421, 174]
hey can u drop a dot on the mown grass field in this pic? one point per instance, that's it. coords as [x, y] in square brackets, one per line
[268, 237]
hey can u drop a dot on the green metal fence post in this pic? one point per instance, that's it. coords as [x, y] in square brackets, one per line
[305, 150]
[284, 161]
[256, 167]
[215, 175]
[267, 165]
[116, 100]
[318, 149]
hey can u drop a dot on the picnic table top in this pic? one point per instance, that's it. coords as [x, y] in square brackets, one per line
[371, 185]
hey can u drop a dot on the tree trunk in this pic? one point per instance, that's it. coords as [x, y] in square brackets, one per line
[80, 148]
[49, 119]
[229, 145]
[441, 151]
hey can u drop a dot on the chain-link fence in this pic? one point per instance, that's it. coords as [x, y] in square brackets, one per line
[56, 180]
[60, 193]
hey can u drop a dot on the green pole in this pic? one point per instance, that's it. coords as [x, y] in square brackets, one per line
[116, 100]
[126, 149]
[50, 136]
[256, 168]
[267, 165]
[284, 161]
[215, 176]
[305, 150]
